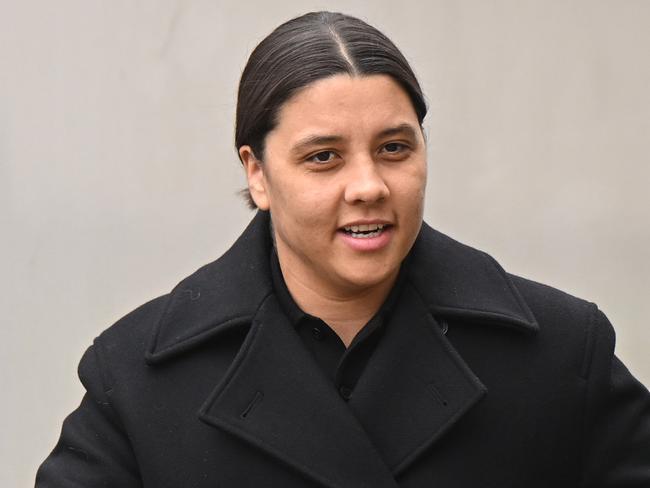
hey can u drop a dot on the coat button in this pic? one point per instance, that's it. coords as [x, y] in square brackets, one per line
[345, 392]
[317, 333]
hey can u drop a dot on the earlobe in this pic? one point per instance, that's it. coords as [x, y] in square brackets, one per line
[255, 177]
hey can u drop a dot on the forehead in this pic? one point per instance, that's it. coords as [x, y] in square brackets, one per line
[346, 104]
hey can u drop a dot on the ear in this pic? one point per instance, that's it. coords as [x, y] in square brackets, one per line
[255, 175]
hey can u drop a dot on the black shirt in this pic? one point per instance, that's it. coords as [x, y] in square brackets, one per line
[342, 365]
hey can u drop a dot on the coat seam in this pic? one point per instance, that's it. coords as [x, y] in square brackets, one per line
[105, 374]
[585, 368]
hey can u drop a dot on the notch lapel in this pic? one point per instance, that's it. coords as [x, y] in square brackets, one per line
[275, 397]
[415, 386]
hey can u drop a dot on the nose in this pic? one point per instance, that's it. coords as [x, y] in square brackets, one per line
[365, 183]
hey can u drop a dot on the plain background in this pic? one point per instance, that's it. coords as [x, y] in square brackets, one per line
[118, 175]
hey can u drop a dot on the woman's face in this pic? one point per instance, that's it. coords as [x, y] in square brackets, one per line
[343, 176]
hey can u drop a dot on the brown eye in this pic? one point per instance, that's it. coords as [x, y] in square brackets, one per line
[394, 147]
[322, 157]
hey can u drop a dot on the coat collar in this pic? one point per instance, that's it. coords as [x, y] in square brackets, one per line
[454, 280]
[275, 397]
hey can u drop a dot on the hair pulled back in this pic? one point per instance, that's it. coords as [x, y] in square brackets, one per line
[303, 50]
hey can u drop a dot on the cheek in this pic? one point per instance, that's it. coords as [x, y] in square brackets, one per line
[408, 188]
[301, 206]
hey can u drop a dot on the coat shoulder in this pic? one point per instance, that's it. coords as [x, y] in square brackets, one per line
[122, 346]
[136, 326]
[566, 321]
[543, 298]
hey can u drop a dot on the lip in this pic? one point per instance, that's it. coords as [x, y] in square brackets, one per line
[367, 244]
[366, 222]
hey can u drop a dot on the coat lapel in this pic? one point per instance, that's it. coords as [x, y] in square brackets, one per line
[415, 386]
[453, 280]
[275, 397]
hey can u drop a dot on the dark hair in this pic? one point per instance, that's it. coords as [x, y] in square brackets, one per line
[303, 50]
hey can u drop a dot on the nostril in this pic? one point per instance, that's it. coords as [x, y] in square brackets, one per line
[369, 190]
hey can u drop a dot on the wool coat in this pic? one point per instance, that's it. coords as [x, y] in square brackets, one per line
[481, 379]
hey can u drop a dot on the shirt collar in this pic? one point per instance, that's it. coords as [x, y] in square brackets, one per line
[291, 309]
[295, 314]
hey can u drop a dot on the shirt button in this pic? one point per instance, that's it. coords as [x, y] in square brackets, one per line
[318, 333]
[345, 392]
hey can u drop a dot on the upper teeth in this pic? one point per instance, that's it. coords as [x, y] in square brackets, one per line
[364, 227]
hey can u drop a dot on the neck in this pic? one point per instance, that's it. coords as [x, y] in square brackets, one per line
[345, 310]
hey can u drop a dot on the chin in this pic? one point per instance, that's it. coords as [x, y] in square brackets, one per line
[365, 277]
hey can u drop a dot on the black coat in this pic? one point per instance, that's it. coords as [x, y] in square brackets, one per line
[482, 379]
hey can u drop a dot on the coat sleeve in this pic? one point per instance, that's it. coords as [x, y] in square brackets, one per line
[93, 449]
[617, 416]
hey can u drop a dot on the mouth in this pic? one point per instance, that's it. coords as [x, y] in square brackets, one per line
[365, 231]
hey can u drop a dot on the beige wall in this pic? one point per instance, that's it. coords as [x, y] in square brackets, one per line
[118, 176]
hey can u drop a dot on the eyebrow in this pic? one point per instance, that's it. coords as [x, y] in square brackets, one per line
[406, 129]
[316, 140]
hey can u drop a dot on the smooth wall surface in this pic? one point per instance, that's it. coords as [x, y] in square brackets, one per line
[118, 175]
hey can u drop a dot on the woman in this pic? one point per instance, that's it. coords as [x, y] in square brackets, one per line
[342, 342]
